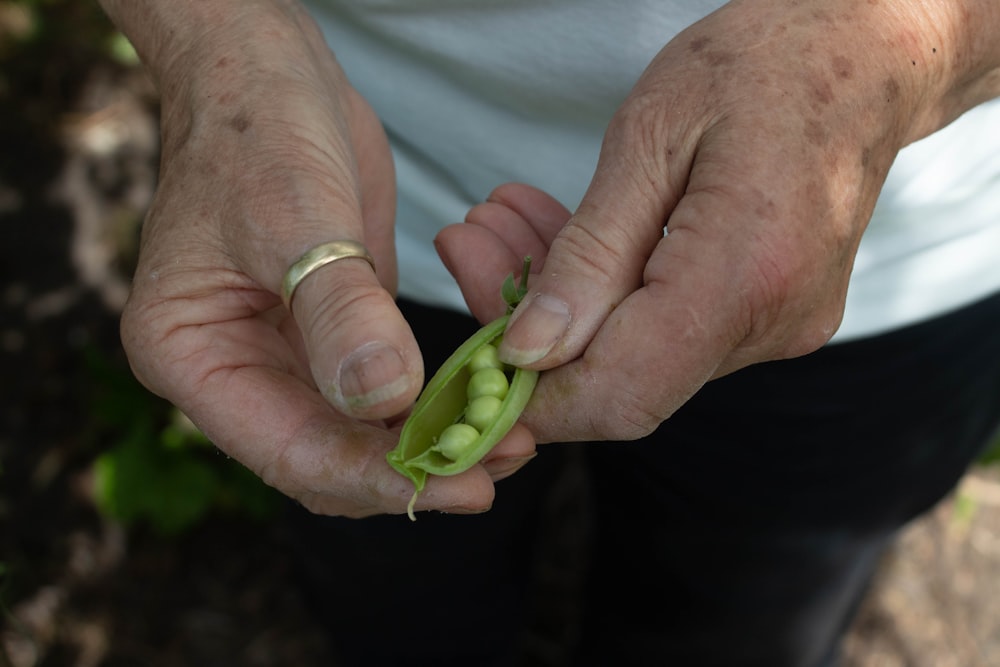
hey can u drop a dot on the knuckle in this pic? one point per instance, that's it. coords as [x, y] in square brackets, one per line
[639, 125]
[626, 424]
[354, 304]
[793, 304]
[634, 187]
[814, 333]
[138, 340]
[589, 253]
[639, 138]
[629, 417]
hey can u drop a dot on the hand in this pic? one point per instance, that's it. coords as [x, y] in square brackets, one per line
[759, 139]
[268, 151]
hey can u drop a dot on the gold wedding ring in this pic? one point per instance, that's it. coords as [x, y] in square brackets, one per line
[318, 257]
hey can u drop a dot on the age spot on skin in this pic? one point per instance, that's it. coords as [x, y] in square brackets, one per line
[767, 210]
[843, 67]
[822, 91]
[718, 58]
[822, 16]
[714, 57]
[815, 133]
[240, 123]
[891, 88]
[699, 44]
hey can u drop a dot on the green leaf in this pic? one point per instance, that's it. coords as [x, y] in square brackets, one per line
[139, 480]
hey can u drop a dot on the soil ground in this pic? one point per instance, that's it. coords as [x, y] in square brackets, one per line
[78, 152]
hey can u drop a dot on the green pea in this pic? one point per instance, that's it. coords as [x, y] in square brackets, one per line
[482, 411]
[487, 382]
[456, 439]
[455, 395]
[485, 357]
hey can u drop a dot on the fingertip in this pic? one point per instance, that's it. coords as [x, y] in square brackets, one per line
[373, 381]
[504, 468]
[543, 211]
[362, 354]
[478, 258]
[471, 492]
[536, 328]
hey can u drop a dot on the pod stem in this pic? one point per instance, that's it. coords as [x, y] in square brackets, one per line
[513, 292]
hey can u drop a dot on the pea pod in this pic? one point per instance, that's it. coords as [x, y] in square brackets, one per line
[424, 448]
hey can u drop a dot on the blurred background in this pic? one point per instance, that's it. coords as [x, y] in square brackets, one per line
[126, 538]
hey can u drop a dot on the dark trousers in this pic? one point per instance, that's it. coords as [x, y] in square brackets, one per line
[743, 532]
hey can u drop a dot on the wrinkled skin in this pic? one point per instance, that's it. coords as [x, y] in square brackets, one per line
[268, 151]
[759, 138]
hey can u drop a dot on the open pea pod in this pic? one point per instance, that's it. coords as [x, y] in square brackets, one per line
[445, 402]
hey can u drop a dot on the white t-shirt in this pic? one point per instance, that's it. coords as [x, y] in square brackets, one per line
[476, 93]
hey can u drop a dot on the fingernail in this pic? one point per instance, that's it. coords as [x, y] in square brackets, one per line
[507, 467]
[537, 327]
[467, 510]
[372, 374]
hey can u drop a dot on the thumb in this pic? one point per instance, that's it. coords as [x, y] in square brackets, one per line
[361, 352]
[597, 258]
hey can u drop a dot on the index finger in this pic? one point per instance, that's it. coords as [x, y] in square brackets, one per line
[661, 344]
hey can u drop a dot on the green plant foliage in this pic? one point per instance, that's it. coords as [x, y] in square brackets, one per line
[121, 50]
[140, 479]
[71, 24]
[47, 48]
[156, 467]
[992, 454]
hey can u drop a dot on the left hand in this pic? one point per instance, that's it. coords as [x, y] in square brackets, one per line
[269, 151]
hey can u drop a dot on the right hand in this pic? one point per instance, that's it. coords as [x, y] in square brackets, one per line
[759, 138]
[267, 152]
